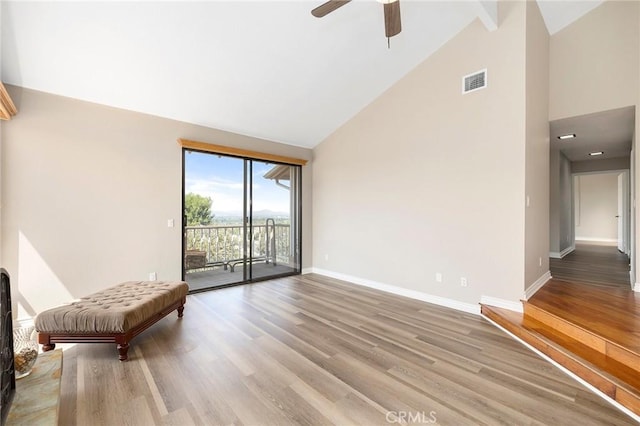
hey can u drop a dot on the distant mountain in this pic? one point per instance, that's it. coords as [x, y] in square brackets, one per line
[265, 213]
[269, 213]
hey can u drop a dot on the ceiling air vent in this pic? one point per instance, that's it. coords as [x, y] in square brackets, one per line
[475, 81]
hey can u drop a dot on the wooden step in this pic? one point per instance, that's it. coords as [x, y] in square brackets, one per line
[597, 342]
[616, 380]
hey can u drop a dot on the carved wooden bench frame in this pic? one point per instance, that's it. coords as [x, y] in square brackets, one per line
[49, 340]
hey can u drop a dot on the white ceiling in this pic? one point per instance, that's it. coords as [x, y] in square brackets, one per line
[261, 68]
[608, 131]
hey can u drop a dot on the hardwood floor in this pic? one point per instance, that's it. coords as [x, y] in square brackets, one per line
[613, 314]
[314, 350]
[593, 264]
[593, 331]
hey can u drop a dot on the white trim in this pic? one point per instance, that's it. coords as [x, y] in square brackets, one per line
[636, 287]
[488, 13]
[603, 241]
[568, 250]
[306, 271]
[537, 285]
[413, 294]
[563, 253]
[569, 373]
[501, 303]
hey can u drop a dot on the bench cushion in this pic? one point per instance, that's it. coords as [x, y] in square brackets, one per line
[114, 310]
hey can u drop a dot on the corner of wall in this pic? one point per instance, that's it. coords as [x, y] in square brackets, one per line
[400, 291]
[537, 151]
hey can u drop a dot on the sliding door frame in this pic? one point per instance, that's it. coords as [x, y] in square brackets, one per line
[248, 158]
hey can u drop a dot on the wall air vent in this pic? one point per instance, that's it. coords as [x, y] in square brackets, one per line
[475, 81]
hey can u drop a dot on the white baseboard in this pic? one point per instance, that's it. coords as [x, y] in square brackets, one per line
[598, 241]
[569, 373]
[413, 294]
[501, 303]
[306, 271]
[563, 253]
[636, 287]
[537, 285]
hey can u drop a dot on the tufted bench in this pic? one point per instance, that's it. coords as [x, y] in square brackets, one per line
[115, 315]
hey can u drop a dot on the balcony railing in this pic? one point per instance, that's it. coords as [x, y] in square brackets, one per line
[223, 244]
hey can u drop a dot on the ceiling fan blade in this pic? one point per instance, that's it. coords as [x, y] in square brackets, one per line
[328, 7]
[392, 24]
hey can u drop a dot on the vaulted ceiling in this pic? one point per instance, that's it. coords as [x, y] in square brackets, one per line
[261, 68]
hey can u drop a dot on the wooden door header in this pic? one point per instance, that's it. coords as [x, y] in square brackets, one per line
[7, 108]
[221, 149]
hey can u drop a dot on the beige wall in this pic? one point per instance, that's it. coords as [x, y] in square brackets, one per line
[621, 163]
[635, 184]
[537, 146]
[428, 180]
[554, 201]
[594, 61]
[595, 66]
[560, 228]
[87, 191]
[567, 232]
[596, 207]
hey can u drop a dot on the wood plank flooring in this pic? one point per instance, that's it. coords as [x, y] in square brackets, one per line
[313, 350]
[593, 264]
[620, 382]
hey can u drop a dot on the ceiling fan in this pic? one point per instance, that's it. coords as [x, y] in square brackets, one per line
[392, 24]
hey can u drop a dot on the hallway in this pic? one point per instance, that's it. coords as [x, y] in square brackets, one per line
[593, 264]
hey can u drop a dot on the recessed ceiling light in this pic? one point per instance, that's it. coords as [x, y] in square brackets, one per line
[596, 153]
[569, 136]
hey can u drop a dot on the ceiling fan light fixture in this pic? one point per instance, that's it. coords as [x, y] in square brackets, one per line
[593, 154]
[392, 20]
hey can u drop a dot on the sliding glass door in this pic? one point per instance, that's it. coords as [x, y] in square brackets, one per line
[241, 220]
[274, 214]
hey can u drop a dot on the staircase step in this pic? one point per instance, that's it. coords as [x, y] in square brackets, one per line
[584, 336]
[615, 379]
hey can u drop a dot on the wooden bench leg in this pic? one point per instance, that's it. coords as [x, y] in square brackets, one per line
[45, 340]
[123, 348]
[180, 311]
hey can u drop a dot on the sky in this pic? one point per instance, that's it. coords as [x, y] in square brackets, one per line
[221, 178]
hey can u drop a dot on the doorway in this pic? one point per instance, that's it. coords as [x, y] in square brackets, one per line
[601, 229]
[601, 208]
[584, 146]
[241, 220]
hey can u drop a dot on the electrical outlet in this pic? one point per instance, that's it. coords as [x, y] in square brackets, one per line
[463, 282]
[438, 277]
[170, 223]
[153, 276]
